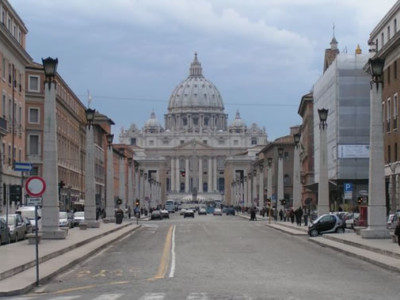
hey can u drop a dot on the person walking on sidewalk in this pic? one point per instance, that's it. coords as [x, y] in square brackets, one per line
[397, 232]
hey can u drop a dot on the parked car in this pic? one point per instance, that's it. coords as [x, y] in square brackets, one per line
[182, 211]
[164, 213]
[326, 223]
[156, 215]
[17, 227]
[29, 212]
[392, 220]
[217, 212]
[349, 220]
[189, 213]
[79, 217]
[4, 232]
[202, 211]
[28, 224]
[64, 220]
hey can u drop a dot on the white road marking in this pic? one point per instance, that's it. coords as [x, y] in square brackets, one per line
[108, 297]
[173, 257]
[153, 296]
[197, 296]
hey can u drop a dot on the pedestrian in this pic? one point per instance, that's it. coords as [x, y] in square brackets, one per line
[397, 232]
[281, 214]
[291, 214]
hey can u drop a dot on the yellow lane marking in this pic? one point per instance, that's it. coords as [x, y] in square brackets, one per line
[75, 289]
[162, 268]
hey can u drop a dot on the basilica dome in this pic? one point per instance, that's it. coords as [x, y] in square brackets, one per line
[195, 93]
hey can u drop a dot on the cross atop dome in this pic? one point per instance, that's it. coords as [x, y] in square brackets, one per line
[195, 67]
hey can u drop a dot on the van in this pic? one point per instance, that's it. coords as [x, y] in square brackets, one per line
[29, 212]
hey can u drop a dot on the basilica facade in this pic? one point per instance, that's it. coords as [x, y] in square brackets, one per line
[186, 158]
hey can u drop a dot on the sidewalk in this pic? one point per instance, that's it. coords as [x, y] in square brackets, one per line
[18, 260]
[380, 252]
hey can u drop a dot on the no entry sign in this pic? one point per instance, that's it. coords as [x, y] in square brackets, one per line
[35, 186]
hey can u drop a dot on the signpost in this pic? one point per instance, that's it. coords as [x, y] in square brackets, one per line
[23, 166]
[35, 187]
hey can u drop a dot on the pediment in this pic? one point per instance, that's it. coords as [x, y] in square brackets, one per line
[191, 146]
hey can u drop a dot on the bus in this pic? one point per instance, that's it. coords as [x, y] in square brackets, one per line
[170, 206]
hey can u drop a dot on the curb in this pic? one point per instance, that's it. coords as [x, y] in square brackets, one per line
[70, 263]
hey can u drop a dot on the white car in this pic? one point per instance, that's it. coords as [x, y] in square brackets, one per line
[79, 217]
[164, 213]
[350, 220]
[29, 212]
[217, 212]
[182, 211]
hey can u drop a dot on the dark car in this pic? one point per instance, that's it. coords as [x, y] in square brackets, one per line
[4, 232]
[327, 223]
[230, 211]
[156, 215]
[189, 213]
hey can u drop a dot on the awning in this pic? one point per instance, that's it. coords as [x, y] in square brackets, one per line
[314, 186]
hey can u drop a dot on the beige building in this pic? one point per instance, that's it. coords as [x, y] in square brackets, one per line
[13, 59]
[187, 155]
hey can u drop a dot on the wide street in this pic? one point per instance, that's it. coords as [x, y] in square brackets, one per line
[214, 257]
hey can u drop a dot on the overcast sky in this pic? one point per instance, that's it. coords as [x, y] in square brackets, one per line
[262, 55]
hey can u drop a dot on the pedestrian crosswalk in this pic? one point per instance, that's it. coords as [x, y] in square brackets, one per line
[130, 296]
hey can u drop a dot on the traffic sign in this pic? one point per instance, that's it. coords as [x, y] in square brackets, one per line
[22, 166]
[35, 186]
[34, 201]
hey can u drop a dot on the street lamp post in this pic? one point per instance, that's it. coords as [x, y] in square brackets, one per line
[280, 178]
[90, 184]
[50, 204]
[110, 204]
[296, 172]
[376, 185]
[323, 184]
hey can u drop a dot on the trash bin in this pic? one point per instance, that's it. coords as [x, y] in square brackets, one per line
[119, 215]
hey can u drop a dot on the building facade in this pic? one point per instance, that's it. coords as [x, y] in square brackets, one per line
[385, 40]
[343, 89]
[187, 156]
[13, 59]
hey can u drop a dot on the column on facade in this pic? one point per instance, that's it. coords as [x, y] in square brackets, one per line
[280, 183]
[187, 175]
[255, 190]
[177, 176]
[245, 189]
[200, 189]
[215, 182]
[396, 194]
[210, 187]
[122, 181]
[260, 189]
[130, 187]
[172, 174]
[137, 184]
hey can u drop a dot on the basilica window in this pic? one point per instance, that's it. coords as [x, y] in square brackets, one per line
[254, 141]
[206, 121]
[236, 142]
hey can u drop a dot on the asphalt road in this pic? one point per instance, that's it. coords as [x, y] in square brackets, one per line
[213, 257]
